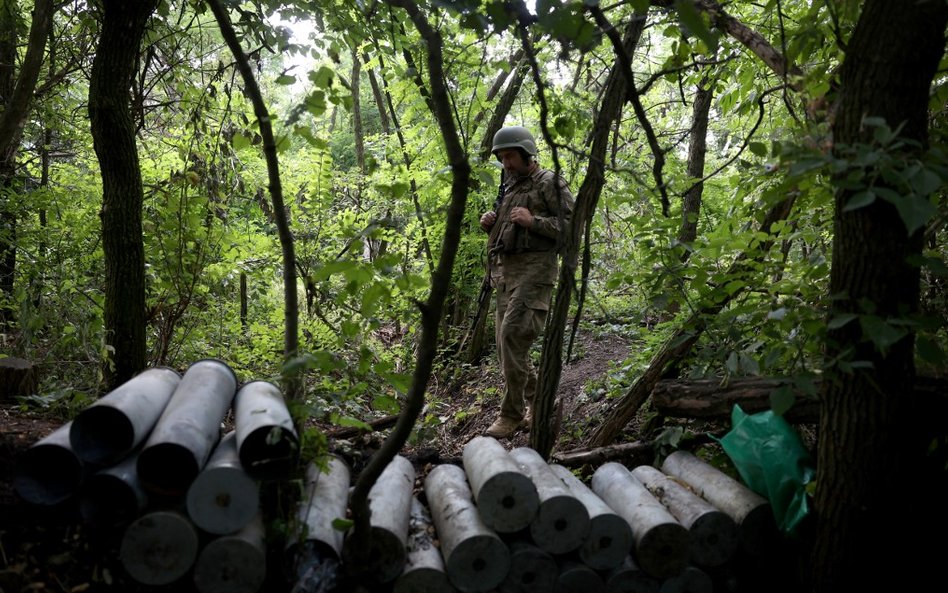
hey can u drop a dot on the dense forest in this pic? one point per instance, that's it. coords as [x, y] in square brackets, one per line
[294, 188]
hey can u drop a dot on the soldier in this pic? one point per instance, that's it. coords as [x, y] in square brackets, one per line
[533, 209]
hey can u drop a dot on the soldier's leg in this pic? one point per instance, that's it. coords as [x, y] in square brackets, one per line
[520, 327]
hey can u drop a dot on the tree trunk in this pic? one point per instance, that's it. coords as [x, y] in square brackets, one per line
[691, 204]
[113, 134]
[543, 433]
[16, 93]
[869, 445]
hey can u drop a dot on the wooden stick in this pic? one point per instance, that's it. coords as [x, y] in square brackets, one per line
[633, 453]
[749, 510]
[507, 499]
[475, 557]
[424, 566]
[661, 543]
[159, 547]
[390, 505]
[235, 563]
[610, 538]
[714, 535]
[562, 521]
[223, 498]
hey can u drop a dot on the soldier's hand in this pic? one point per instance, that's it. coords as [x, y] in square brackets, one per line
[488, 219]
[521, 216]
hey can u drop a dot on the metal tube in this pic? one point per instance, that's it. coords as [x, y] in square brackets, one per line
[49, 472]
[325, 501]
[223, 498]
[661, 543]
[390, 506]
[610, 537]
[188, 429]
[476, 559]
[424, 566]
[235, 563]
[113, 496]
[562, 521]
[506, 498]
[159, 547]
[109, 429]
[266, 439]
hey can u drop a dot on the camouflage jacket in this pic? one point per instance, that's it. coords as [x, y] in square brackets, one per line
[530, 255]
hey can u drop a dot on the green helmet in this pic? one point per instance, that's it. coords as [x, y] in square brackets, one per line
[514, 137]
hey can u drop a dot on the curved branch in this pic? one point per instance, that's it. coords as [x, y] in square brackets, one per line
[432, 308]
[633, 96]
[290, 304]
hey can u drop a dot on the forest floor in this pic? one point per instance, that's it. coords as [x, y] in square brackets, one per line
[49, 549]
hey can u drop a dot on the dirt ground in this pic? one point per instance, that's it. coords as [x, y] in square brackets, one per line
[50, 549]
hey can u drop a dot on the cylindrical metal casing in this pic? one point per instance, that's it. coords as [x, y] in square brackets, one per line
[223, 498]
[188, 429]
[109, 429]
[266, 439]
[49, 472]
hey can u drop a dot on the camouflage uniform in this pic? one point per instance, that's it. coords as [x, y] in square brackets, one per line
[523, 271]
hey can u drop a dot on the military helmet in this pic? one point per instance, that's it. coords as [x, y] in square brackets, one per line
[514, 137]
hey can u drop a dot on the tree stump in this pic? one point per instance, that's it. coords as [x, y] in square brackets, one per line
[17, 377]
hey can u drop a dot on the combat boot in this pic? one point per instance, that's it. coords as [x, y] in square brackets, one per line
[502, 428]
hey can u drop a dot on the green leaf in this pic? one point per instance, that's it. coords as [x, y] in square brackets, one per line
[285, 79]
[925, 182]
[341, 524]
[758, 148]
[781, 399]
[859, 200]
[880, 332]
[386, 403]
[692, 22]
[322, 78]
[840, 320]
[915, 211]
[929, 351]
[240, 141]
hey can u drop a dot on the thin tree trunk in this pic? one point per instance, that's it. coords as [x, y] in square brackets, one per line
[379, 99]
[291, 311]
[870, 447]
[680, 343]
[432, 308]
[697, 148]
[543, 434]
[16, 93]
[113, 134]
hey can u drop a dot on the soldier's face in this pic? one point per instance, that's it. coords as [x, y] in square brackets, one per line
[513, 161]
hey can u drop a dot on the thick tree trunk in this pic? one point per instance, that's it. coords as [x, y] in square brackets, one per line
[870, 448]
[113, 134]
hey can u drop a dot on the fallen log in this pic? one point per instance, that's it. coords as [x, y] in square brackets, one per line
[561, 523]
[610, 537]
[635, 453]
[714, 398]
[661, 543]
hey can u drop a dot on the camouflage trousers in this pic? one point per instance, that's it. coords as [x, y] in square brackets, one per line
[519, 320]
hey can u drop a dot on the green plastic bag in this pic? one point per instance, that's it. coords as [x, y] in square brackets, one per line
[773, 462]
